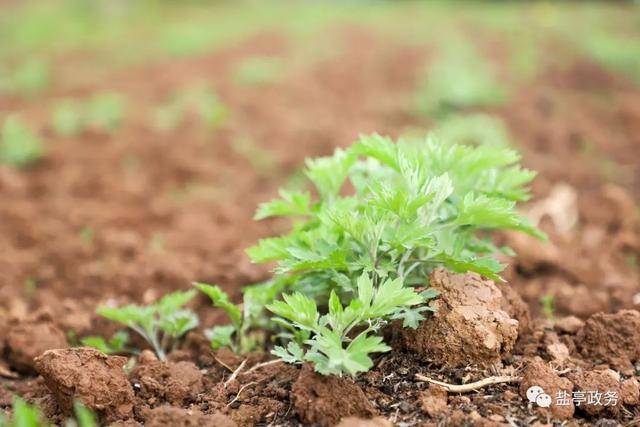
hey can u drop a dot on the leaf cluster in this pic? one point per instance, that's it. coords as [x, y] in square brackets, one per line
[342, 340]
[160, 324]
[246, 332]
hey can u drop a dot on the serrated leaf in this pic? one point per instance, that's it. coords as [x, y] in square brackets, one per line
[297, 308]
[174, 301]
[178, 323]
[292, 203]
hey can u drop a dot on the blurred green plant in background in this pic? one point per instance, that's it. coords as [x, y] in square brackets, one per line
[29, 78]
[475, 129]
[19, 146]
[458, 80]
[258, 71]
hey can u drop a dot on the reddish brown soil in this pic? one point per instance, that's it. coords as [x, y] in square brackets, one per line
[166, 209]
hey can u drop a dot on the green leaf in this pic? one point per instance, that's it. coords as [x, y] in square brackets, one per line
[220, 336]
[178, 323]
[221, 300]
[25, 415]
[174, 301]
[84, 416]
[297, 308]
[116, 344]
[292, 354]
[129, 315]
[292, 203]
[365, 289]
[271, 249]
[378, 147]
[328, 174]
[392, 295]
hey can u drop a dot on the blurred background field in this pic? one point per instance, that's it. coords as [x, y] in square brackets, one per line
[137, 137]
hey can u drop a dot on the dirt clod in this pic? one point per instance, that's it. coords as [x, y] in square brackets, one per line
[87, 375]
[25, 341]
[538, 373]
[434, 401]
[159, 382]
[172, 416]
[614, 338]
[568, 324]
[469, 325]
[630, 391]
[325, 400]
[596, 385]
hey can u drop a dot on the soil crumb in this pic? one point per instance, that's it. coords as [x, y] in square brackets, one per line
[158, 382]
[176, 417]
[28, 340]
[325, 400]
[614, 338]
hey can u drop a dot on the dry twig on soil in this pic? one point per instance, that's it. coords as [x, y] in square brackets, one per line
[235, 373]
[465, 388]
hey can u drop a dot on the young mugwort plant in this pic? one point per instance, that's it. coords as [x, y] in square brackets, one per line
[160, 324]
[413, 206]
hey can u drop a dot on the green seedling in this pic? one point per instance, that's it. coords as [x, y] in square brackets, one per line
[68, 118]
[200, 101]
[474, 129]
[169, 116]
[87, 234]
[30, 286]
[548, 306]
[414, 206]
[28, 79]
[19, 146]
[117, 344]
[456, 82]
[258, 71]
[160, 324]
[261, 160]
[248, 321]
[618, 53]
[105, 112]
[211, 109]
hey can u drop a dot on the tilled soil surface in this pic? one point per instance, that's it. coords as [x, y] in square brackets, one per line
[163, 209]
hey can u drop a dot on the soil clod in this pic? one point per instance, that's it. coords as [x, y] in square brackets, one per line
[25, 341]
[469, 325]
[614, 338]
[89, 376]
[539, 373]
